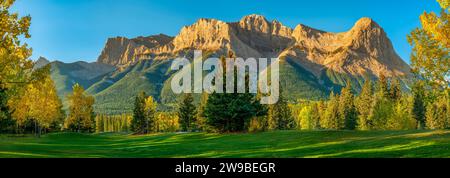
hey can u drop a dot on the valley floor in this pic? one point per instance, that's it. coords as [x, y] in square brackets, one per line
[284, 144]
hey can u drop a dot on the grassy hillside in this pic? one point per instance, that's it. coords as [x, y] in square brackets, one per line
[269, 144]
[65, 75]
[115, 94]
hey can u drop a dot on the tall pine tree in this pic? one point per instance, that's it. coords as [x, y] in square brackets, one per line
[201, 119]
[150, 106]
[187, 113]
[279, 114]
[331, 116]
[395, 90]
[364, 104]
[383, 87]
[347, 111]
[138, 122]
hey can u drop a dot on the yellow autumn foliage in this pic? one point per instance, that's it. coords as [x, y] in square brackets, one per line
[431, 47]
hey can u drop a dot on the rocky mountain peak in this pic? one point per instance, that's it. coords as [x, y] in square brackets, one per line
[256, 23]
[206, 34]
[365, 48]
[302, 32]
[366, 23]
[41, 62]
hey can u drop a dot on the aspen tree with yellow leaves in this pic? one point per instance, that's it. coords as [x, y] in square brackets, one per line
[430, 58]
[39, 103]
[81, 111]
[15, 67]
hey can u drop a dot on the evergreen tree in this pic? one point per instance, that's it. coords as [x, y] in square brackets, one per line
[187, 113]
[395, 90]
[382, 106]
[347, 111]
[364, 104]
[231, 112]
[383, 87]
[279, 115]
[150, 114]
[138, 123]
[381, 111]
[331, 117]
[419, 107]
[201, 120]
[321, 108]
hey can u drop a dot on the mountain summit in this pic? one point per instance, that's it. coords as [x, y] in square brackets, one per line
[364, 49]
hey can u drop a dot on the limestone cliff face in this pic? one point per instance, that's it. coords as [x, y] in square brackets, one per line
[121, 51]
[364, 49]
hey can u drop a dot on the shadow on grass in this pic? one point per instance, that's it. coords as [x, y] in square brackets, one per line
[289, 144]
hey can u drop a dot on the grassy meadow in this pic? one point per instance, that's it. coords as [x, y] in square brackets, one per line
[278, 144]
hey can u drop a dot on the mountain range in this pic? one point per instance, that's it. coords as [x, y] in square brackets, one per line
[312, 62]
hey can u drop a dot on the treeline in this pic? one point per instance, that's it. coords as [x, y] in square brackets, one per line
[382, 106]
[164, 122]
[118, 123]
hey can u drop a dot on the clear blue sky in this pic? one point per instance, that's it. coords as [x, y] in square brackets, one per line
[72, 30]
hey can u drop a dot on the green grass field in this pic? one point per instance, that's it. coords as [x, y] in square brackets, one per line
[285, 144]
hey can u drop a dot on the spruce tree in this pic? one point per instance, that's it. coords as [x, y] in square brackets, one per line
[150, 106]
[383, 86]
[364, 104]
[331, 116]
[201, 119]
[187, 113]
[419, 106]
[321, 108]
[231, 112]
[138, 121]
[395, 90]
[279, 116]
[347, 110]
